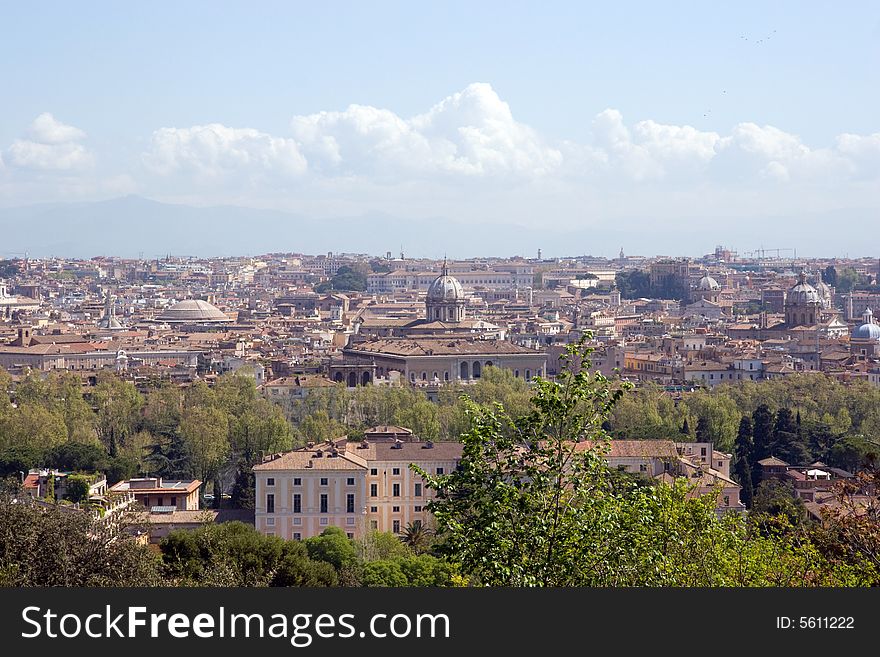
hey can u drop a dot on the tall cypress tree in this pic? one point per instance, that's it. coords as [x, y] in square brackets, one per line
[762, 439]
[744, 464]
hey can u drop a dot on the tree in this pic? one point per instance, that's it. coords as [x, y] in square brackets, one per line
[244, 489]
[786, 443]
[204, 431]
[744, 463]
[703, 430]
[346, 279]
[77, 488]
[778, 498]
[516, 511]
[417, 536]
[333, 547]
[46, 546]
[762, 437]
[32, 426]
[686, 429]
[829, 275]
[633, 284]
[119, 405]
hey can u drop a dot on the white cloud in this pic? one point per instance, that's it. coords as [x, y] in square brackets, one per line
[214, 150]
[46, 129]
[50, 146]
[470, 133]
[862, 150]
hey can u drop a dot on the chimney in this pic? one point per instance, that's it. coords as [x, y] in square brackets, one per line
[24, 336]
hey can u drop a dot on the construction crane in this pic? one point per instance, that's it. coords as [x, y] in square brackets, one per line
[762, 253]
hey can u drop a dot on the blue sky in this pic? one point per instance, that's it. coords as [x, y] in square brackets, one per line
[567, 113]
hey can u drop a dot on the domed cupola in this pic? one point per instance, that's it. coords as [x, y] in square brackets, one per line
[868, 330]
[445, 300]
[802, 304]
[707, 283]
[825, 293]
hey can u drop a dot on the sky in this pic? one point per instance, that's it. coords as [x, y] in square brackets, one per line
[489, 115]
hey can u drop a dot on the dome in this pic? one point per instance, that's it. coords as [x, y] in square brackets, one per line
[869, 330]
[445, 288]
[193, 311]
[802, 293]
[708, 283]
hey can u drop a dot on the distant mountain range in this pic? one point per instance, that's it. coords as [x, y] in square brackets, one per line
[133, 226]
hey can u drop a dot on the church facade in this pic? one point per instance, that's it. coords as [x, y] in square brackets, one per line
[444, 347]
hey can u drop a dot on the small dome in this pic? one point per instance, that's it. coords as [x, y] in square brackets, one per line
[869, 330]
[802, 293]
[708, 283]
[193, 311]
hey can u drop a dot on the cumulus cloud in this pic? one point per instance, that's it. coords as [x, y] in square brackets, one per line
[46, 129]
[470, 133]
[473, 135]
[50, 146]
[215, 150]
[862, 150]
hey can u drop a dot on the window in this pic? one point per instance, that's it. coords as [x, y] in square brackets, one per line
[349, 503]
[270, 533]
[417, 509]
[702, 451]
[323, 521]
[395, 471]
[374, 490]
[297, 536]
[374, 509]
[395, 490]
[727, 500]
[349, 481]
[418, 492]
[395, 509]
[374, 524]
[297, 481]
[297, 521]
[323, 481]
[349, 534]
[270, 481]
[643, 467]
[439, 470]
[297, 503]
[323, 502]
[395, 526]
[270, 503]
[270, 522]
[374, 472]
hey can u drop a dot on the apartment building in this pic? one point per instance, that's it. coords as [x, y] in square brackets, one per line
[356, 486]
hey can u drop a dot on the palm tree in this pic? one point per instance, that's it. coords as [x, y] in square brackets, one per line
[416, 535]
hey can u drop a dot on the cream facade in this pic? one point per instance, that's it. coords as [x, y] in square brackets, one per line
[357, 487]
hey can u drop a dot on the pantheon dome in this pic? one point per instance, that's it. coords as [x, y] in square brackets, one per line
[193, 311]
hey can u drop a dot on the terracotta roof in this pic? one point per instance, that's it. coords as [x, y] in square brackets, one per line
[772, 460]
[636, 448]
[301, 458]
[440, 347]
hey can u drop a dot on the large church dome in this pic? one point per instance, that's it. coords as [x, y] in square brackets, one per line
[445, 288]
[707, 283]
[802, 293]
[445, 301]
[193, 311]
